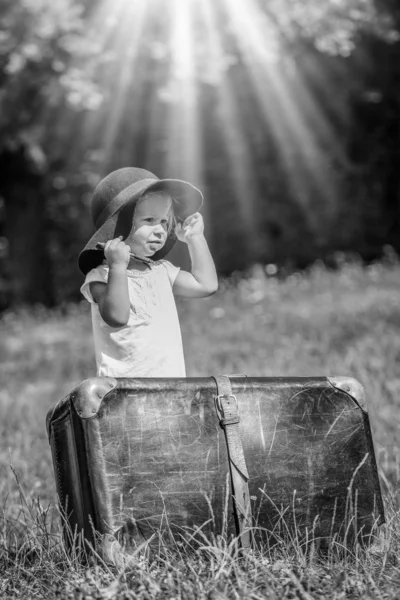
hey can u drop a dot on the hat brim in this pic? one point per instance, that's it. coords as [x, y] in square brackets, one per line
[187, 199]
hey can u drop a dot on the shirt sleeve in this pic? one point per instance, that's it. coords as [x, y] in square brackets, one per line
[99, 274]
[172, 271]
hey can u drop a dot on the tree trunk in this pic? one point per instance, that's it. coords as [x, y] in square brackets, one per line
[27, 267]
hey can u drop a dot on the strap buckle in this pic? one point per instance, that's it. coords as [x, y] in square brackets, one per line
[227, 409]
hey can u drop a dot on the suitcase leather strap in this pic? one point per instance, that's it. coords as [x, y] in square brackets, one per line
[227, 410]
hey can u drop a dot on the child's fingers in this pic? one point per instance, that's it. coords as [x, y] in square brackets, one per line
[192, 219]
[114, 243]
[117, 252]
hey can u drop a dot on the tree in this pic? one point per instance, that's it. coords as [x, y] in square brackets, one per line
[374, 137]
[38, 42]
[46, 55]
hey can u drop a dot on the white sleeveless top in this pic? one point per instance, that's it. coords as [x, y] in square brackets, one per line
[150, 344]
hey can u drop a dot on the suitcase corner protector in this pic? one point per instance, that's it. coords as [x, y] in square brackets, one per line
[88, 395]
[351, 386]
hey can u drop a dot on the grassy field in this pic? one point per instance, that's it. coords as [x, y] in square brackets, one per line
[345, 322]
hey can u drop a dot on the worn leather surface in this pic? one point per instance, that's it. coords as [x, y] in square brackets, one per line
[229, 416]
[154, 459]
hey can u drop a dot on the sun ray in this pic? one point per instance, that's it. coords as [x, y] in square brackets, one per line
[293, 116]
[105, 21]
[120, 73]
[108, 25]
[183, 155]
[236, 143]
[159, 60]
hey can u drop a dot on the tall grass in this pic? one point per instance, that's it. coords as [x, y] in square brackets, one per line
[345, 322]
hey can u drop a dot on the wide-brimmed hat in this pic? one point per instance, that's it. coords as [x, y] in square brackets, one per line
[113, 204]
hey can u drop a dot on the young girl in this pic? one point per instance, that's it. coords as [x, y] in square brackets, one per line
[130, 286]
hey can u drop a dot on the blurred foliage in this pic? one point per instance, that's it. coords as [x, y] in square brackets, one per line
[333, 25]
[56, 108]
[39, 39]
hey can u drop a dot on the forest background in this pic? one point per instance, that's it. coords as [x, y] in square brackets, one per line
[286, 113]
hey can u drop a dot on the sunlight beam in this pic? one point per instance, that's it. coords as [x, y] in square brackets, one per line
[240, 168]
[120, 83]
[183, 154]
[295, 120]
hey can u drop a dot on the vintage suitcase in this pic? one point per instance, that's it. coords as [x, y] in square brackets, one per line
[157, 460]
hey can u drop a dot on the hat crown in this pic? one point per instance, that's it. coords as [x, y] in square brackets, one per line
[111, 186]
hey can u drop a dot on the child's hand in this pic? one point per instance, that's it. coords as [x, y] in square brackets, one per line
[193, 225]
[117, 253]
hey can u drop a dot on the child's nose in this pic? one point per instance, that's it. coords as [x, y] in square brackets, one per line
[159, 229]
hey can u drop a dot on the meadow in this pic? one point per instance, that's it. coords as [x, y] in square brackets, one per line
[319, 322]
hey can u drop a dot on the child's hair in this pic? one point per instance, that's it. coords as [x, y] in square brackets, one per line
[171, 216]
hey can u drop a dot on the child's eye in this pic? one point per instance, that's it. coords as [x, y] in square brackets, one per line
[149, 219]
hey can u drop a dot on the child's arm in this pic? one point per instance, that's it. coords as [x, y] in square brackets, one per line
[202, 281]
[113, 297]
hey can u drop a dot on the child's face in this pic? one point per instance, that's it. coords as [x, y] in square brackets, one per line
[150, 224]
